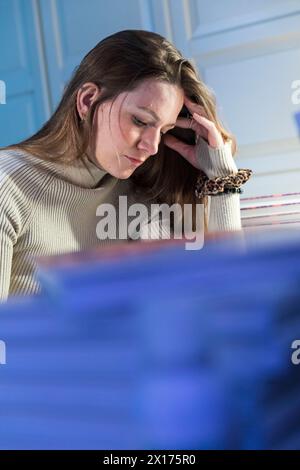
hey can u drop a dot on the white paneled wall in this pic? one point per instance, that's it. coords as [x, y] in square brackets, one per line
[73, 27]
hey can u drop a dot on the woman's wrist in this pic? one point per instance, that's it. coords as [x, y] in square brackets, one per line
[215, 162]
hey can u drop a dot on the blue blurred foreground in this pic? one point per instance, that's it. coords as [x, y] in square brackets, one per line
[162, 349]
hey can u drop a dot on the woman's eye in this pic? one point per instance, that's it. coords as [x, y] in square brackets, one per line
[138, 122]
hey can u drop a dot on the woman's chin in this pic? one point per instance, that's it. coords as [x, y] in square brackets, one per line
[125, 175]
[122, 173]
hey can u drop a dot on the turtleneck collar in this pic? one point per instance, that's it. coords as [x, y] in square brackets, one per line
[83, 173]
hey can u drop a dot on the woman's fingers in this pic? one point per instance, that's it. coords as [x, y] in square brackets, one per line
[183, 122]
[202, 126]
[188, 123]
[187, 151]
[213, 135]
[178, 145]
[203, 121]
[194, 107]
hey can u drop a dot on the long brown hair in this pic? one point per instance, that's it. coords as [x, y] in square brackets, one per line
[118, 64]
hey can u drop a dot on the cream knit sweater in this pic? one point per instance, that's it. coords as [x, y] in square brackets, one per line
[48, 208]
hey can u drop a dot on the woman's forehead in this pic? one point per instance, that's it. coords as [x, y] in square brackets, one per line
[156, 96]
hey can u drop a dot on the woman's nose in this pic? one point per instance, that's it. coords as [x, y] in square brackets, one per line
[149, 141]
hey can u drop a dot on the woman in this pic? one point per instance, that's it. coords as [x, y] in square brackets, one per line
[111, 136]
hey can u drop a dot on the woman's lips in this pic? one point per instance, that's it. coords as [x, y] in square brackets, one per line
[134, 161]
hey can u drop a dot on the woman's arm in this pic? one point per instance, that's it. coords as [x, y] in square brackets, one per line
[213, 157]
[13, 209]
[224, 209]
[7, 240]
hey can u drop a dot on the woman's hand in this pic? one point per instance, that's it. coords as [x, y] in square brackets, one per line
[202, 126]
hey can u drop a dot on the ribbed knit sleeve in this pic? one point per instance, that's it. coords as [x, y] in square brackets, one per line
[10, 226]
[224, 210]
[20, 192]
[7, 240]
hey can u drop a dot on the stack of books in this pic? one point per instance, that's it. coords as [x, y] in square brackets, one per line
[157, 348]
[269, 211]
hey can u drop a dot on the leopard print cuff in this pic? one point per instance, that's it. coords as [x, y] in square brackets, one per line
[221, 184]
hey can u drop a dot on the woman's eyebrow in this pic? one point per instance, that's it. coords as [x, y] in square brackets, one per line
[154, 115]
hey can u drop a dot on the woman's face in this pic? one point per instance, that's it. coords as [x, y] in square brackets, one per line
[128, 131]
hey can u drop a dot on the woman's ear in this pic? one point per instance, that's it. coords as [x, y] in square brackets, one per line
[86, 95]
